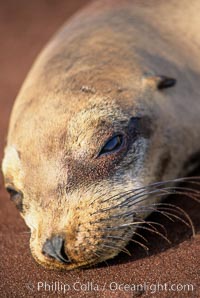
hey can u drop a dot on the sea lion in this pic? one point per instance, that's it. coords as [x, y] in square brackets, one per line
[110, 107]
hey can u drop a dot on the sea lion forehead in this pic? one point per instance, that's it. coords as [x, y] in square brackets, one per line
[99, 111]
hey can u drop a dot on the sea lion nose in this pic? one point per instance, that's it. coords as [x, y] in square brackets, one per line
[54, 248]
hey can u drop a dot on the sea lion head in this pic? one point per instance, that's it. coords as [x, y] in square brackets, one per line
[84, 140]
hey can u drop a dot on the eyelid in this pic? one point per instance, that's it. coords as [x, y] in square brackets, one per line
[112, 143]
[16, 197]
[10, 188]
[109, 139]
[10, 185]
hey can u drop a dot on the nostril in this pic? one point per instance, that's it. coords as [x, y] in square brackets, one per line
[58, 243]
[54, 248]
[48, 249]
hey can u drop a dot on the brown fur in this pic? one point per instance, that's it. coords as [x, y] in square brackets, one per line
[90, 80]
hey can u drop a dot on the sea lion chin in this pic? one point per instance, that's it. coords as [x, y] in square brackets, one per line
[108, 110]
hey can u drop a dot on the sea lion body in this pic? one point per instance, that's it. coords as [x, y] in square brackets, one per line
[98, 81]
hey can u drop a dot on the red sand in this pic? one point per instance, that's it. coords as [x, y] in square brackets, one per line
[25, 26]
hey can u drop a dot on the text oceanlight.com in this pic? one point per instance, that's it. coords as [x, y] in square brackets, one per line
[61, 287]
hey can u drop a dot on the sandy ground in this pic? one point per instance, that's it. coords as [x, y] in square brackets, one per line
[25, 26]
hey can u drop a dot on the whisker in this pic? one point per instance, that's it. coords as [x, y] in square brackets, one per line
[154, 232]
[185, 214]
[97, 254]
[131, 201]
[161, 192]
[121, 204]
[158, 184]
[151, 223]
[135, 224]
[156, 210]
[122, 226]
[135, 241]
[179, 218]
[115, 237]
[142, 237]
[118, 248]
[133, 213]
[140, 244]
[170, 190]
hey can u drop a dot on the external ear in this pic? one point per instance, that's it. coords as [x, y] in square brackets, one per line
[160, 82]
[165, 82]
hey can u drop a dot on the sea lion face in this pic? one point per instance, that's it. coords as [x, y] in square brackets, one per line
[87, 133]
[74, 175]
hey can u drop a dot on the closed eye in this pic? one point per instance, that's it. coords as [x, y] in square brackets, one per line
[16, 197]
[112, 145]
[12, 192]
